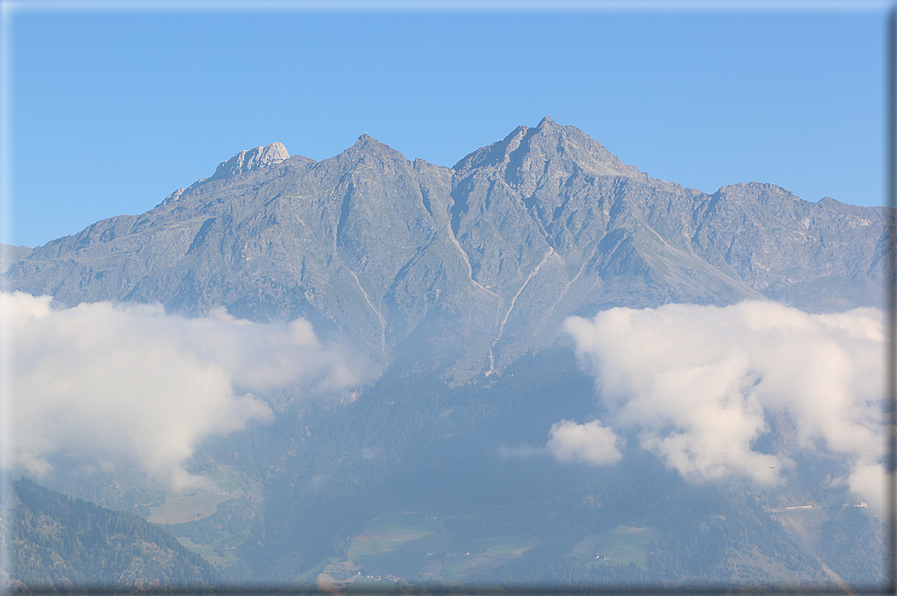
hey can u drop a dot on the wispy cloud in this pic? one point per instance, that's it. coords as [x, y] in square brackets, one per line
[113, 383]
[520, 451]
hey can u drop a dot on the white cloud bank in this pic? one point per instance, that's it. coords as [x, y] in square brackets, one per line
[110, 383]
[698, 384]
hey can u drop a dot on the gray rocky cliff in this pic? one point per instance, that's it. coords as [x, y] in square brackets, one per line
[10, 255]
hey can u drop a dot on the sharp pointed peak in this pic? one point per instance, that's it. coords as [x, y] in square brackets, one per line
[369, 145]
[366, 140]
[544, 142]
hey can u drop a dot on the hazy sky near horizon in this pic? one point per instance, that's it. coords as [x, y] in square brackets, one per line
[107, 110]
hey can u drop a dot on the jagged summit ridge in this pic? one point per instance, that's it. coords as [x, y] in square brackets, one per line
[490, 256]
[251, 159]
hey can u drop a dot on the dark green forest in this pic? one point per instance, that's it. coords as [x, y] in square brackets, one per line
[59, 543]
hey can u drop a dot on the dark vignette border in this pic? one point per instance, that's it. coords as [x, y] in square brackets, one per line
[471, 590]
[891, 301]
[889, 586]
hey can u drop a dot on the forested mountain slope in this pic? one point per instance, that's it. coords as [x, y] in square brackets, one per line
[57, 543]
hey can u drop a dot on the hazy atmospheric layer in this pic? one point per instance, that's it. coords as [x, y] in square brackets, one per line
[696, 385]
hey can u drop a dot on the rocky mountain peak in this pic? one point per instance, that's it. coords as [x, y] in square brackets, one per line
[526, 154]
[251, 159]
[571, 144]
[367, 148]
[369, 143]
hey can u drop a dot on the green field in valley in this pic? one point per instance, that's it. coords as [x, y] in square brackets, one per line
[416, 546]
[213, 553]
[185, 508]
[624, 544]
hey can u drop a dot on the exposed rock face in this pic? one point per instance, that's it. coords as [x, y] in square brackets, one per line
[252, 159]
[10, 255]
[463, 269]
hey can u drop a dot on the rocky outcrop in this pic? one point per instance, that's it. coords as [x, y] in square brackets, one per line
[10, 255]
[251, 159]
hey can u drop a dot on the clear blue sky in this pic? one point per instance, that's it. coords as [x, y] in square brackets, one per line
[109, 110]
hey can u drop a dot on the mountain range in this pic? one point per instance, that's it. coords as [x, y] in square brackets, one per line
[449, 282]
[490, 256]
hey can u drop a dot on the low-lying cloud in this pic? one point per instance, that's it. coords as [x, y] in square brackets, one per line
[107, 383]
[589, 443]
[699, 385]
